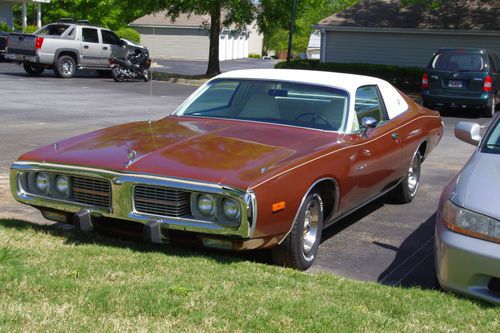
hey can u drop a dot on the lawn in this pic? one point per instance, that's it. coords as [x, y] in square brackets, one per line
[55, 280]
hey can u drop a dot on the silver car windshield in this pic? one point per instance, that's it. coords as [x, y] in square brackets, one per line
[492, 142]
[272, 102]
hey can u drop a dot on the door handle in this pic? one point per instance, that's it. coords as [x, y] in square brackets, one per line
[105, 48]
[85, 46]
[395, 136]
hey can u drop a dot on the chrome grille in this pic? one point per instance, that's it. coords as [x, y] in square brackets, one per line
[91, 191]
[162, 201]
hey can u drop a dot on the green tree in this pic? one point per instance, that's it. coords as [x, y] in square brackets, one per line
[274, 20]
[236, 12]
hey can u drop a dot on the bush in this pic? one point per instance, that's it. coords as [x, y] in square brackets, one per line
[31, 29]
[404, 78]
[5, 27]
[254, 55]
[130, 34]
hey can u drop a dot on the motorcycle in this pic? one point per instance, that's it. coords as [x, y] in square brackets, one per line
[134, 67]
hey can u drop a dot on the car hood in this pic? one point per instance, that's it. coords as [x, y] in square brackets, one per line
[229, 152]
[478, 186]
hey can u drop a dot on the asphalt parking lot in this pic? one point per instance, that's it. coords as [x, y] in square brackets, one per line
[391, 244]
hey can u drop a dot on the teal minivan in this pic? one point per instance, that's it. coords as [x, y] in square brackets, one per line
[462, 79]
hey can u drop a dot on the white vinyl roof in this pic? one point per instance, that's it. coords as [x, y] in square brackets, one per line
[394, 102]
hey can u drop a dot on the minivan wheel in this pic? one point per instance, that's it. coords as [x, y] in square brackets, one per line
[489, 112]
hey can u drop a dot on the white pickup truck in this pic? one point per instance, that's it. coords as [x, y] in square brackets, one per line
[66, 46]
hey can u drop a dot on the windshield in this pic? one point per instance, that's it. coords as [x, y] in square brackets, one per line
[466, 62]
[492, 142]
[285, 103]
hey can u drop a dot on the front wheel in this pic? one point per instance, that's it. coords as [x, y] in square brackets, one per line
[65, 67]
[118, 76]
[299, 249]
[33, 70]
[407, 189]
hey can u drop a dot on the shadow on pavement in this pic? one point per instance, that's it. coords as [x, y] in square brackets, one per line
[413, 265]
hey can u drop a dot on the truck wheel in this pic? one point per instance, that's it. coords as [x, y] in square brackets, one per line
[300, 247]
[407, 189]
[33, 70]
[65, 67]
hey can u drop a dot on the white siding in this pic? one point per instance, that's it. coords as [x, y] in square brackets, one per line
[401, 49]
[191, 44]
[255, 40]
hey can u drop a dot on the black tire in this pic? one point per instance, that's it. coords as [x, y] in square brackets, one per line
[299, 249]
[407, 189]
[489, 112]
[65, 67]
[117, 75]
[33, 70]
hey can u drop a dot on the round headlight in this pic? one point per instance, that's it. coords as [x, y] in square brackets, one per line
[231, 209]
[206, 205]
[62, 185]
[42, 182]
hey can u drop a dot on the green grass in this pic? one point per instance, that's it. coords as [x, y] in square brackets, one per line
[65, 282]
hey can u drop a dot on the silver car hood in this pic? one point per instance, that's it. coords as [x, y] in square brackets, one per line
[478, 186]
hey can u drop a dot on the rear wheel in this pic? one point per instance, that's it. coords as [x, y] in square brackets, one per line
[65, 67]
[407, 189]
[33, 70]
[490, 109]
[300, 247]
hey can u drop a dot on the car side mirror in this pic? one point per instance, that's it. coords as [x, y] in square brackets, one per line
[367, 122]
[468, 132]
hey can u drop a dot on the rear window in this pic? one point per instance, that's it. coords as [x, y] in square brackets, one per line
[53, 30]
[458, 62]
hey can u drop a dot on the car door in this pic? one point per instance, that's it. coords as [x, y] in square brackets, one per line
[376, 154]
[111, 46]
[91, 49]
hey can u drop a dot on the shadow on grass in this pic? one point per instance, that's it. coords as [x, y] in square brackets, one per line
[105, 235]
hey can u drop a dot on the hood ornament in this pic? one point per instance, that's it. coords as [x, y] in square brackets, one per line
[132, 154]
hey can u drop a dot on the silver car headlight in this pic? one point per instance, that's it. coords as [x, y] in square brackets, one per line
[207, 205]
[470, 223]
[42, 182]
[62, 185]
[231, 209]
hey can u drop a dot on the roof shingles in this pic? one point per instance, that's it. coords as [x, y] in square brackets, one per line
[452, 14]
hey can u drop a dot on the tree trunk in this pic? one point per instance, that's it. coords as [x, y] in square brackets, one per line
[213, 53]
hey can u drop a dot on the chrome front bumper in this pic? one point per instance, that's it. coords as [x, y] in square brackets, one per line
[122, 206]
[465, 264]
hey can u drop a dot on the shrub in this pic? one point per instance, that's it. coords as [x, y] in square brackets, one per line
[31, 29]
[130, 34]
[5, 27]
[254, 55]
[404, 78]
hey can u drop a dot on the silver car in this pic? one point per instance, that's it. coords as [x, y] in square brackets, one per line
[467, 242]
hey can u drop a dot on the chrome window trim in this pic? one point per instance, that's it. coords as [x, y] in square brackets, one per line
[122, 205]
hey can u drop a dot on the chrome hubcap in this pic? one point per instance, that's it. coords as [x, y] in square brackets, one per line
[310, 226]
[413, 175]
[66, 67]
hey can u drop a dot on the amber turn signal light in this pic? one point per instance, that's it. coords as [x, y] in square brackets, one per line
[278, 206]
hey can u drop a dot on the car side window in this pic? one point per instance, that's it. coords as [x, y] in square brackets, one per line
[89, 35]
[368, 103]
[108, 37]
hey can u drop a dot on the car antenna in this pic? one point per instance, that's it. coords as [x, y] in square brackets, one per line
[151, 78]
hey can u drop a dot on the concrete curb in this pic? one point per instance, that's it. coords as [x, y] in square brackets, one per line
[173, 78]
